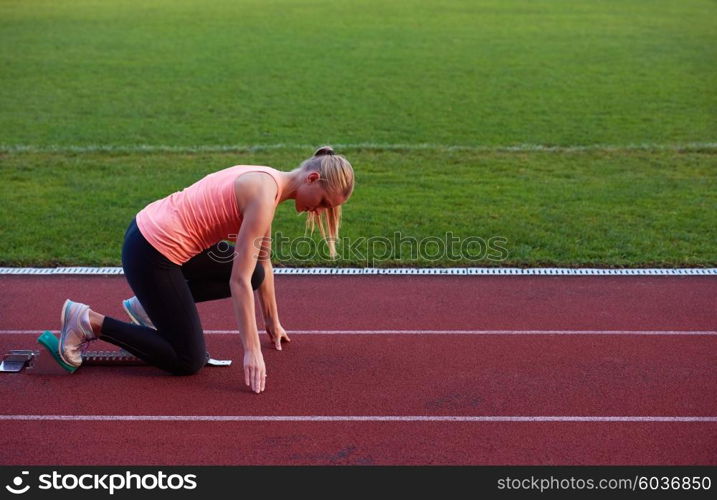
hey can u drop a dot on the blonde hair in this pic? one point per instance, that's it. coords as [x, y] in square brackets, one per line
[337, 176]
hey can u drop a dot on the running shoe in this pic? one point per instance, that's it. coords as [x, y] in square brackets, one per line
[76, 332]
[136, 312]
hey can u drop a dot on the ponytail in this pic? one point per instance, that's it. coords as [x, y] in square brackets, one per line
[338, 176]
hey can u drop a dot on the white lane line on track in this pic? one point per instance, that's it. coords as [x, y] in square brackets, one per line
[346, 271]
[443, 332]
[351, 418]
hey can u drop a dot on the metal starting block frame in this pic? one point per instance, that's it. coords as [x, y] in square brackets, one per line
[46, 361]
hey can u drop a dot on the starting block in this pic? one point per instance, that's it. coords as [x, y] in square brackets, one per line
[47, 360]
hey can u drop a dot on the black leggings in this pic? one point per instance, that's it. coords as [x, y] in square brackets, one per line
[168, 292]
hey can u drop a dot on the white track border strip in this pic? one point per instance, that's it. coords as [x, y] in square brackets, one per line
[373, 271]
[362, 146]
[708, 333]
[348, 418]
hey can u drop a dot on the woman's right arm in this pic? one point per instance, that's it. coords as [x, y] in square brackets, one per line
[257, 216]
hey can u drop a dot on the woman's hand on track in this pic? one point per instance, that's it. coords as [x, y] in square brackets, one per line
[277, 334]
[254, 370]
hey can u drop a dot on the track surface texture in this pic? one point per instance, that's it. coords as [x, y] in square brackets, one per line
[398, 370]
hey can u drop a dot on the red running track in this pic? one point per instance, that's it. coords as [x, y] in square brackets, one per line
[391, 375]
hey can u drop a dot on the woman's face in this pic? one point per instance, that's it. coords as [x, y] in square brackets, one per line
[312, 197]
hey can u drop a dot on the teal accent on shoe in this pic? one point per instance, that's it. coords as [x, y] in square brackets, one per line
[52, 344]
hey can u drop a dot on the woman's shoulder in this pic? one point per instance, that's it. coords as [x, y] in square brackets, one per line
[253, 184]
[250, 168]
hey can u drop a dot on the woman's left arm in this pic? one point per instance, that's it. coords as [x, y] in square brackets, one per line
[267, 296]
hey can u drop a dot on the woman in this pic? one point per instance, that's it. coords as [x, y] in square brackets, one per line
[172, 259]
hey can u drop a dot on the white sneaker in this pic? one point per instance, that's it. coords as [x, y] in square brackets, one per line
[136, 312]
[76, 331]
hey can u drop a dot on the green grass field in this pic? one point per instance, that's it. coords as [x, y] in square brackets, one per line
[105, 106]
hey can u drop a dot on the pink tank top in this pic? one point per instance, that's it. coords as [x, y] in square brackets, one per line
[187, 222]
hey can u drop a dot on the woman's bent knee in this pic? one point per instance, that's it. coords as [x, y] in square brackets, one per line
[189, 367]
